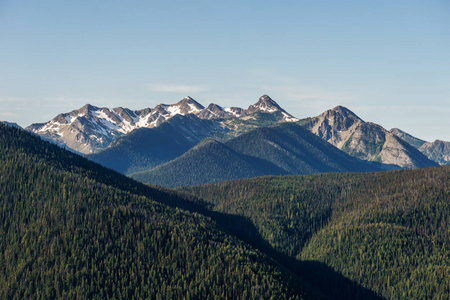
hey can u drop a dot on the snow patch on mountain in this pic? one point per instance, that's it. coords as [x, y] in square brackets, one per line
[91, 129]
[174, 110]
[234, 111]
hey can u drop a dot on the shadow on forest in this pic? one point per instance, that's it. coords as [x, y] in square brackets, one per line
[320, 277]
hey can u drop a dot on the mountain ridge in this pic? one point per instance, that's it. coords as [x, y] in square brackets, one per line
[72, 229]
[146, 148]
[282, 149]
[91, 129]
[438, 151]
[366, 140]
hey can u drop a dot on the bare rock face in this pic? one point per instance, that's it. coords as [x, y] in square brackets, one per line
[214, 111]
[368, 141]
[413, 141]
[438, 151]
[91, 129]
[336, 126]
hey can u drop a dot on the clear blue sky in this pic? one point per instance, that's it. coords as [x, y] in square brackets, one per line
[388, 61]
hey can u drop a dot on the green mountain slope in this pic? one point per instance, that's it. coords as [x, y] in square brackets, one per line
[211, 161]
[277, 150]
[388, 231]
[146, 148]
[73, 229]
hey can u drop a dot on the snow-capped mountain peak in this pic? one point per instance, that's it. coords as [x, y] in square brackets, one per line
[236, 112]
[214, 111]
[266, 104]
[91, 128]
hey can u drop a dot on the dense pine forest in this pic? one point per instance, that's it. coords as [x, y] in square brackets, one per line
[72, 229]
[388, 231]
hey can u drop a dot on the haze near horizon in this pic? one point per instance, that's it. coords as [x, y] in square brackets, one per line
[387, 62]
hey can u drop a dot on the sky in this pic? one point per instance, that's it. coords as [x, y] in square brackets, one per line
[387, 61]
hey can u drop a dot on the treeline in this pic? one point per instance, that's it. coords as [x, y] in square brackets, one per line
[388, 231]
[72, 229]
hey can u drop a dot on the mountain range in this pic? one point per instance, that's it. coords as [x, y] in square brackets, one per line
[148, 143]
[72, 228]
[277, 150]
[438, 151]
[369, 141]
[146, 148]
[91, 129]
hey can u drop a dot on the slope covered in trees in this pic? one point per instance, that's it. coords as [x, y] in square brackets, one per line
[146, 148]
[388, 231]
[283, 149]
[73, 229]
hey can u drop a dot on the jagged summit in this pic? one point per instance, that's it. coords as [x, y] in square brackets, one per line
[186, 106]
[416, 142]
[214, 107]
[343, 111]
[87, 108]
[365, 140]
[438, 151]
[91, 129]
[265, 104]
[214, 111]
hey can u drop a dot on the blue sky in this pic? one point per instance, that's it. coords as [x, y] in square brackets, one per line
[388, 61]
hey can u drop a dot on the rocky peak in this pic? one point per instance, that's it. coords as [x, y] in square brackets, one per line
[235, 111]
[416, 142]
[190, 101]
[365, 140]
[265, 104]
[337, 119]
[214, 107]
[186, 106]
[438, 151]
[343, 112]
[213, 111]
[87, 109]
[91, 129]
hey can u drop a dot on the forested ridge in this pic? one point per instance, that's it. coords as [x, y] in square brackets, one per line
[277, 150]
[388, 231]
[145, 148]
[72, 229]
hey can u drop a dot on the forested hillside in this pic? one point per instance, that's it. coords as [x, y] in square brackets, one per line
[72, 229]
[388, 231]
[282, 149]
[146, 148]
